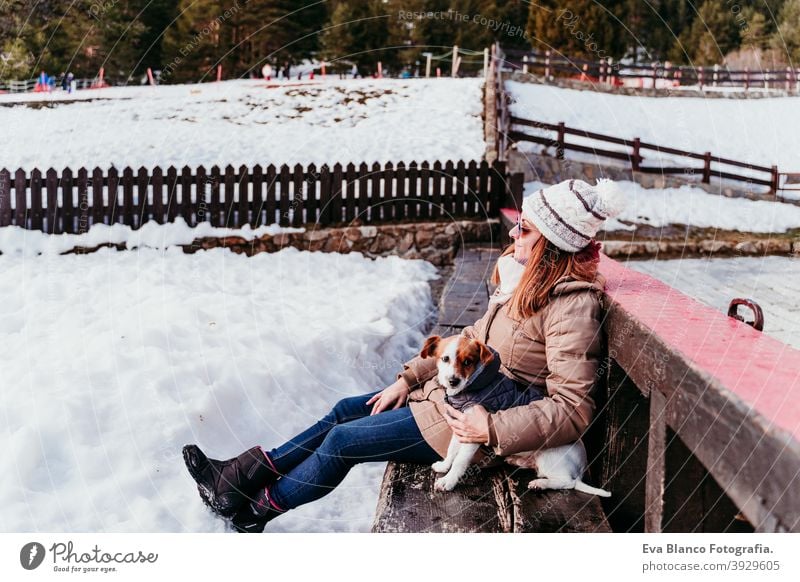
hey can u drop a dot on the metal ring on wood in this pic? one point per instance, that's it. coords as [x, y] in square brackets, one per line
[758, 314]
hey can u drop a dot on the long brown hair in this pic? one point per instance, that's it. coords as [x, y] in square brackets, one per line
[546, 265]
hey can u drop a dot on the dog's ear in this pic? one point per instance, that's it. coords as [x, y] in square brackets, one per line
[485, 354]
[429, 348]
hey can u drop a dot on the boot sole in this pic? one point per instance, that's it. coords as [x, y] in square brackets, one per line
[206, 495]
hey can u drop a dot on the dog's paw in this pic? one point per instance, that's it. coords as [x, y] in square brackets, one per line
[445, 484]
[440, 467]
[537, 485]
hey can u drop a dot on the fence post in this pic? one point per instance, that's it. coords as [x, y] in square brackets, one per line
[700, 77]
[775, 181]
[485, 63]
[788, 79]
[655, 76]
[707, 168]
[635, 158]
[602, 68]
[561, 132]
[716, 75]
[547, 65]
[525, 64]
[610, 72]
[454, 64]
[747, 78]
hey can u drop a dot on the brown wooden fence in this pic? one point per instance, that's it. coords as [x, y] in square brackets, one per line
[552, 64]
[288, 196]
[762, 175]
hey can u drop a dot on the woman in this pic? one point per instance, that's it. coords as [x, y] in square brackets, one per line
[544, 320]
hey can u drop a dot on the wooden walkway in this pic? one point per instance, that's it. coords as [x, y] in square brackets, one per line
[494, 499]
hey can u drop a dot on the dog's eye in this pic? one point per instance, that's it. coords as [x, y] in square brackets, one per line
[467, 362]
[445, 359]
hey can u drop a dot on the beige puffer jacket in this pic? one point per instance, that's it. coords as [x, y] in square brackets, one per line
[559, 349]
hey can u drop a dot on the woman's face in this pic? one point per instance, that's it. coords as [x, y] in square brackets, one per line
[524, 235]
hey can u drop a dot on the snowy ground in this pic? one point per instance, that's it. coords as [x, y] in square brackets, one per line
[113, 361]
[759, 131]
[245, 122]
[773, 282]
[693, 206]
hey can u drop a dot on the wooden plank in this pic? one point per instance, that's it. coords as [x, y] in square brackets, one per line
[185, 204]
[350, 178]
[172, 193]
[461, 185]
[552, 511]
[337, 201]
[448, 194]
[375, 205]
[142, 205]
[68, 216]
[387, 202]
[311, 203]
[83, 201]
[656, 449]
[243, 191]
[216, 199]
[424, 192]
[399, 206]
[98, 207]
[21, 212]
[623, 454]
[412, 207]
[229, 202]
[483, 189]
[298, 195]
[127, 196]
[363, 191]
[200, 209]
[257, 206]
[285, 181]
[471, 195]
[5, 197]
[408, 503]
[436, 193]
[271, 200]
[325, 196]
[35, 213]
[53, 214]
[158, 195]
[113, 209]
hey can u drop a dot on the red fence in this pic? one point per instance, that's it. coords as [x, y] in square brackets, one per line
[551, 64]
[72, 201]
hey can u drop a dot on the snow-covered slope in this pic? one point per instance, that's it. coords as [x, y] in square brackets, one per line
[760, 131]
[246, 122]
[111, 362]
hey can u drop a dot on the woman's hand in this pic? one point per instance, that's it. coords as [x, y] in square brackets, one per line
[469, 428]
[390, 398]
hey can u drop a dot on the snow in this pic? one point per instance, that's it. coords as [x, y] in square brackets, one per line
[18, 241]
[694, 206]
[245, 122]
[758, 131]
[113, 361]
[773, 282]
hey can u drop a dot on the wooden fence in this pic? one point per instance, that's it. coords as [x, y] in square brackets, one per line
[73, 201]
[763, 175]
[550, 64]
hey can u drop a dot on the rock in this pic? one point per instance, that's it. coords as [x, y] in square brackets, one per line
[423, 236]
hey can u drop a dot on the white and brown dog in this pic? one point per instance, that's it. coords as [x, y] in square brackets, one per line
[469, 372]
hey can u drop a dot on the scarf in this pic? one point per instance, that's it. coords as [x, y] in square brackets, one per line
[510, 271]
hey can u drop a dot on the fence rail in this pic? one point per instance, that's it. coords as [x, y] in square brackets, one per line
[551, 64]
[764, 175]
[288, 196]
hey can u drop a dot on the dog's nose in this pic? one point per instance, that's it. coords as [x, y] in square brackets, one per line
[453, 381]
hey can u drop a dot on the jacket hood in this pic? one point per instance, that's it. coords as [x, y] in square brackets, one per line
[484, 373]
[567, 285]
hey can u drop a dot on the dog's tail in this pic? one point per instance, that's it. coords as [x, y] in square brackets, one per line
[584, 488]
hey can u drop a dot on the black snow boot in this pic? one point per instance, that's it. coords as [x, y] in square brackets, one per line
[225, 486]
[253, 517]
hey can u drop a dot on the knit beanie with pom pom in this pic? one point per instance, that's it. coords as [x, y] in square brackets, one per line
[569, 214]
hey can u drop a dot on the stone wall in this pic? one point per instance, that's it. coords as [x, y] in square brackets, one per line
[437, 242]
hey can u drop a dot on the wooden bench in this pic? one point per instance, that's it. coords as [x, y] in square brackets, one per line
[494, 499]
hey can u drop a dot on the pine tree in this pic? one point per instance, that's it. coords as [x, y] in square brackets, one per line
[711, 36]
[786, 39]
[579, 29]
[362, 33]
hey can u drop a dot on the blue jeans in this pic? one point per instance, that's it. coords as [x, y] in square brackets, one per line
[315, 461]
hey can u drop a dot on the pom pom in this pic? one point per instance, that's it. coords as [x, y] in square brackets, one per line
[611, 200]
